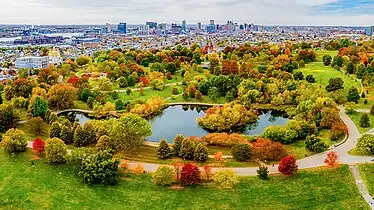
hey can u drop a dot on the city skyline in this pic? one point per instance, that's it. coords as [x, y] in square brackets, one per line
[269, 12]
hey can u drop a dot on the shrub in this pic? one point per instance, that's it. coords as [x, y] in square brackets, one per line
[178, 144]
[120, 105]
[288, 166]
[39, 107]
[55, 151]
[218, 156]
[122, 82]
[309, 78]
[226, 178]
[55, 130]
[67, 134]
[105, 143]
[190, 174]
[89, 133]
[241, 152]
[365, 144]
[177, 168]
[372, 110]
[224, 139]
[331, 159]
[157, 84]
[36, 125]
[14, 141]
[164, 176]
[207, 172]
[281, 134]
[163, 150]
[263, 172]
[175, 91]
[187, 149]
[38, 146]
[80, 139]
[364, 121]
[315, 144]
[298, 76]
[201, 153]
[265, 149]
[99, 168]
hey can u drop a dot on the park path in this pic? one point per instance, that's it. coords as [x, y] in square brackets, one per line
[361, 186]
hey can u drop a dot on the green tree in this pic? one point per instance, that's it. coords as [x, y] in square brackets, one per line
[327, 60]
[365, 144]
[56, 151]
[163, 150]
[55, 130]
[40, 107]
[201, 153]
[353, 95]
[364, 121]
[335, 84]
[14, 141]
[187, 149]
[67, 134]
[315, 144]
[8, 117]
[350, 67]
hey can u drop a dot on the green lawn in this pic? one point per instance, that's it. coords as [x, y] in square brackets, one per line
[356, 119]
[322, 53]
[367, 174]
[323, 73]
[41, 186]
[44, 134]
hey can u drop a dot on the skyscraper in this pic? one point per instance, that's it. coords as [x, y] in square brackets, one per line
[184, 25]
[151, 24]
[199, 25]
[369, 31]
[211, 22]
[122, 28]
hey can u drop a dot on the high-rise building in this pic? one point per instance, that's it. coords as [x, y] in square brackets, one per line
[369, 31]
[184, 25]
[162, 26]
[199, 25]
[211, 22]
[144, 30]
[122, 28]
[108, 28]
[176, 29]
[151, 24]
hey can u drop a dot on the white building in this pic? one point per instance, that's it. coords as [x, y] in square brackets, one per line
[32, 62]
[144, 30]
[54, 57]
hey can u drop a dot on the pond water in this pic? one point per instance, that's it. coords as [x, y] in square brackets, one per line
[182, 120]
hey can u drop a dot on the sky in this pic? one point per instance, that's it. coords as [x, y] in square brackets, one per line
[266, 12]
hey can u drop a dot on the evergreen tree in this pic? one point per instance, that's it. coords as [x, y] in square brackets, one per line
[163, 150]
[365, 121]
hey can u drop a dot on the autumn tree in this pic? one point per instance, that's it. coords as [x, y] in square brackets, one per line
[19, 88]
[332, 159]
[335, 84]
[48, 75]
[83, 60]
[288, 166]
[62, 96]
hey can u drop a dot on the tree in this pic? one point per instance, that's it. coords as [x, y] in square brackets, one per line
[365, 144]
[163, 150]
[267, 150]
[350, 67]
[48, 75]
[178, 144]
[201, 153]
[187, 150]
[36, 124]
[38, 146]
[364, 121]
[56, 151]
[332, 159]
[263, 172]
[338, 61]
[226, 178]
[157, 84]
[19, 88]
[67, 134]
[288, 166]
[309, 78]
[120, 105]
[99, 168]
[190, 174]
[83, 60]
[241, 152]
[55, 130]
[14, 141]
[62, 96]
[298, 75]
[335, 84]
[327, 60]
[129, 132]
[39, 108]
[315, 144]
[164, 176]
[353, 95]
[372, 110]
[122, 82]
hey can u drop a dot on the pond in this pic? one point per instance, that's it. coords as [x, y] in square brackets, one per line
[182, 120]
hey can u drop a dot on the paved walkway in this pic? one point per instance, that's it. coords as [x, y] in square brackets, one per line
[361, 186]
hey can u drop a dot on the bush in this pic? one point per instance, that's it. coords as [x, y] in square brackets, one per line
[187, 149]
[36, 125]
[14, 141]
[157, 84]
[372, 110]
[190, 174]
[164, 176]
[226, 178]
[119, 105]
[201, 153]
[38, 146]
[315, 144]
[224, 139]
[309, 78]
[288, 166]
[241, 152]
[265, 149]
[67, 134]
[178, 144]
[263, 172]
[122, 82]
[298, 76]
[364, 121]
[365, 144]
[105, 143]
[79, 137]
[55, 151]
[281, 134]
[99, 168]
[55, 130]
[163, 150]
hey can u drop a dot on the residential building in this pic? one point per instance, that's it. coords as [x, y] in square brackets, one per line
[162, 26]
[210, 28]
[108, 28]
[122, 28]
[32, 62]
[152, 24]
[176, 29]
[144, 30]
[54, 57]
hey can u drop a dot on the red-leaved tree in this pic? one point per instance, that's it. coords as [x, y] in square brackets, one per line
[288, 166]
[332, 159]
[190, 174]
[38, 146]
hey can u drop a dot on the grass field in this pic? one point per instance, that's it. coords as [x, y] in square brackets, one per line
[367, 174]
[41, 186]
[323, 74]
[322, 53]
[356, 119]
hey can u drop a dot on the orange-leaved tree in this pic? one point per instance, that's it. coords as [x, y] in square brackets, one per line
[332, 159]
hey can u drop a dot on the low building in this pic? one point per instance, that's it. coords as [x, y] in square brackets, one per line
[54, 57]
[31, 62]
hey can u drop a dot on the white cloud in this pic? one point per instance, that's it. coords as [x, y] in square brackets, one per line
[285, 12]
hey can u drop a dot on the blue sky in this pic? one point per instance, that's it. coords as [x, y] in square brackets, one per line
[272, 12]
